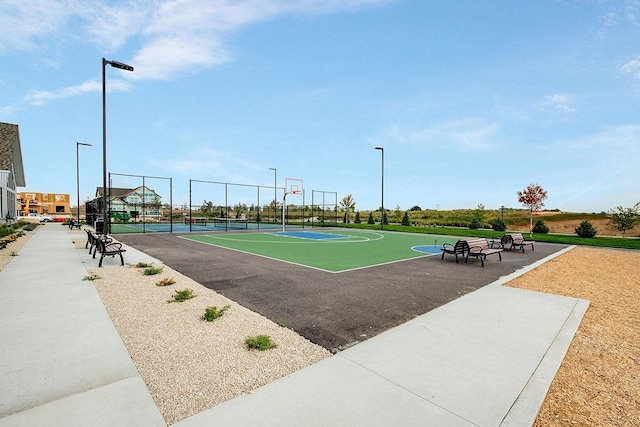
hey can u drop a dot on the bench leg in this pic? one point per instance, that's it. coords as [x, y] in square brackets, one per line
[121, 258]
[500, 256]
[101, 258]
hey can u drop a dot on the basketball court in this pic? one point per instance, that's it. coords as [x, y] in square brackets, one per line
[329, 250]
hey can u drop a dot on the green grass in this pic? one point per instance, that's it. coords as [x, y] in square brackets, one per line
[213, 312]
[152, 271]
[609, 242]
[260, 342]
[181, 296]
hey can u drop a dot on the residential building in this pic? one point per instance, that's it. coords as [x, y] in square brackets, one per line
[11, 170]
[125, 203]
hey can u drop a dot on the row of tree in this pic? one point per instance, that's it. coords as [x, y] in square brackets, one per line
[533, 197]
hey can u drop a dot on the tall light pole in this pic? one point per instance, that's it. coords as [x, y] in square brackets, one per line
[78, 144]
[382, 207]
[275, 192]
[120, 65]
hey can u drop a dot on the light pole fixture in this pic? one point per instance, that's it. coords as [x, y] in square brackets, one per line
[275, 192]
[120, 65]
[78, 144]
[382, 206]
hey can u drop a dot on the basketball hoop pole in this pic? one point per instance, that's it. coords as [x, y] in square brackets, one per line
[284, 206]
[291, 186]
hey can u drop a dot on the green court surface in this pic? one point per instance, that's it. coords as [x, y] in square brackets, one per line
[330, 250]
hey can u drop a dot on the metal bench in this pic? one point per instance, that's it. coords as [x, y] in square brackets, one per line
[479, 248]
[73, 224]
[458, 249]
[515, 240]
[108, 247]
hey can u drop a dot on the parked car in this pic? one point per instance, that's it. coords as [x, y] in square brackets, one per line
[38, 217]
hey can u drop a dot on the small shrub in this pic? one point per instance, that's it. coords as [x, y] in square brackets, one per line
[539, 227]
[260, 342]
[212, 313]
[282, 322]
[182, 295]
[405, 219]
[150, 271]
[475, 224]
[166, 281]
[370, 219]
[498, 225]
[142, 265]
[91, 278]
[13, 253]
[585, 229]
[30, 227]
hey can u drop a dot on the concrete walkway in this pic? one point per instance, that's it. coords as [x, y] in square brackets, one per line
[62, 361]
[485, 359]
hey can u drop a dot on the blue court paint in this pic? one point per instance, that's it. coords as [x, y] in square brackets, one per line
[428, 249]
[311, 235]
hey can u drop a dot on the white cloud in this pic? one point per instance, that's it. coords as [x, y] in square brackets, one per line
[171, 37]
[631, 68]
[559, 102]
[41, 97]
[24, 23]
[165, 57]
[464, 135]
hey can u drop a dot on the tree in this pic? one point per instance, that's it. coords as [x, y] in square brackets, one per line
[623, 219]
[585, 230]
[478, 217]
[498, 224]
[540, 227]
[532, 197]
[206, 208]
[415, 208]
[357, 220]
[405, 219]
[348, 205]
[370, 220]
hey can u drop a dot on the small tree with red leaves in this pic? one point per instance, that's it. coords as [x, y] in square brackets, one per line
[532, 197]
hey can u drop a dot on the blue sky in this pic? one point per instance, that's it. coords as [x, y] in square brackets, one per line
[472, 101]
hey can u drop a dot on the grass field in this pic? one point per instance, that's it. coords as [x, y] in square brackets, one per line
[331, 250]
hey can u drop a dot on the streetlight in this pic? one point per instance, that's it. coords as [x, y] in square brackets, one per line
[120, 65]
[78, 144]
[382, 219]
[275, 192]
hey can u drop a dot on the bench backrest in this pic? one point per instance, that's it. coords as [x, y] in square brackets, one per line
[477, 242]
[517, 237]
[461, 246]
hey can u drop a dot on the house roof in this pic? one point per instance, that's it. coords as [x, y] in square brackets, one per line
[11, 153]
[115, 192]
[120, 192]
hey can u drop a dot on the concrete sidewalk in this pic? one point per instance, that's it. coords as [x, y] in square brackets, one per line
[485, 359]
[62, 361]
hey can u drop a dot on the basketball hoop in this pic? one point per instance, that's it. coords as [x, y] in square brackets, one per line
[293, 186]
